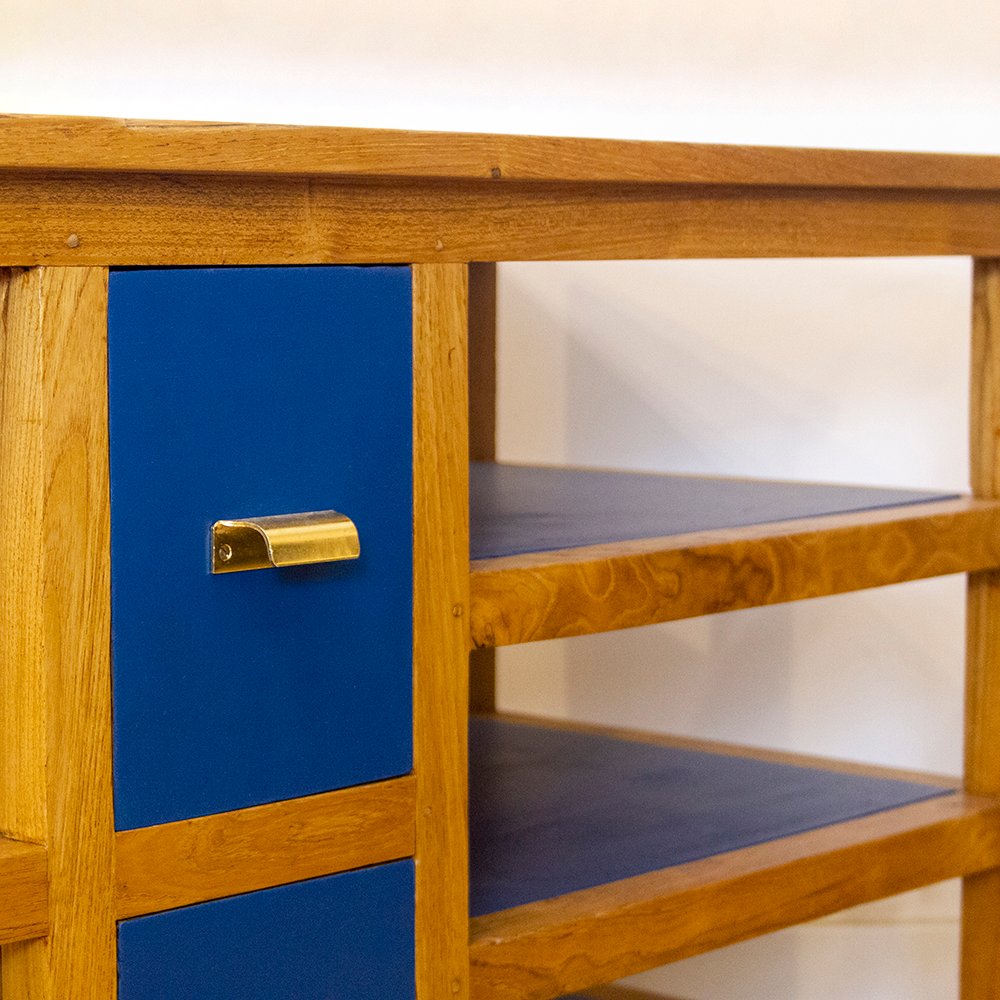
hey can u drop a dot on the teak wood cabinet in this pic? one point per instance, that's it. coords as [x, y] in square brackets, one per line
[218, 781]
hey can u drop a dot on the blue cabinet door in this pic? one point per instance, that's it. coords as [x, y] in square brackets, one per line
[241, 392]
[344, 937]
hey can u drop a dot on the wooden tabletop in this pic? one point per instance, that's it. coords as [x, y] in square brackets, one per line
[29, 142]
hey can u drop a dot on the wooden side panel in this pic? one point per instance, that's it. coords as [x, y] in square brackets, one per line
[176, 864]
[142, 219]
[440, 627]
[981, 893]
[482, 436]
[55, 687]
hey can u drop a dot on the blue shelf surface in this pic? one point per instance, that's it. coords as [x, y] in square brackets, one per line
[516, 509]
[553, 811]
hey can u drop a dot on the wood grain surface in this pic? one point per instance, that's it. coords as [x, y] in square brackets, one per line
[440, 628]
[68, 143]
[620, 585]
[162, 867]
[153, 219]
[545, 949]
[981, 892]
[55, 688]
[24, 891]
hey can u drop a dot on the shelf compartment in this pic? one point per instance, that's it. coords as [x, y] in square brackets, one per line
[597, 854]
[563, 552]
[24, 891]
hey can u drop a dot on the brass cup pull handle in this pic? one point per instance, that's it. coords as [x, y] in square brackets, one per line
[283, 540]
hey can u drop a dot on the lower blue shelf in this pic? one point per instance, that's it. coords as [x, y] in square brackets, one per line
[553, 811]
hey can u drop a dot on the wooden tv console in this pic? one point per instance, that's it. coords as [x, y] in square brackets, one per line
[236, 754]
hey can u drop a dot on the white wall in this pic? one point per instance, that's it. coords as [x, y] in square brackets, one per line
[850, 371]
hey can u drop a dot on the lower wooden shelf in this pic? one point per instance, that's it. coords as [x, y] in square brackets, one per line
[596, 854]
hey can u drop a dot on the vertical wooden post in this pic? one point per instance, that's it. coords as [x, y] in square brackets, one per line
[440, 627]
[55, 672]
[981, 893]
[482, 436]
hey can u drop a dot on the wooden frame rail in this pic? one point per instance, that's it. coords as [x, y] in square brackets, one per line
[24, 891]
[190, 861]
[103, 192]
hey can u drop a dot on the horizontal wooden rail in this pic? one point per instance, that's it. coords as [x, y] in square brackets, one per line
[146, 219]
[103, 144]
[544, 950]
[24, 891]
[162, 867]
[600, 588]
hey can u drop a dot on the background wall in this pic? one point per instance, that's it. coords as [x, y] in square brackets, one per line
[851, 370]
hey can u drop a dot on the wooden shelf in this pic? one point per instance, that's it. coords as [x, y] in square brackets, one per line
[24, 891]
[563, 552]
[598, 853]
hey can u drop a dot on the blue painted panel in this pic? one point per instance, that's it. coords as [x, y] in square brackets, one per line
[343, 937]
[523, 508]
[254, 391]
[553, 811]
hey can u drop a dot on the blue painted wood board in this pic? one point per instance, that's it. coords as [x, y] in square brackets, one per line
[553, 811]
[523, 508]
[252, 391]
[343, 937]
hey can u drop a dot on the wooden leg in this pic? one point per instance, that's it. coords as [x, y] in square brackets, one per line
[981, 893]
[55, 685]
[440, 628]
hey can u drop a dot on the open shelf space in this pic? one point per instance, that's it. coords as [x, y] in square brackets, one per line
[596, 854]
[559, 552]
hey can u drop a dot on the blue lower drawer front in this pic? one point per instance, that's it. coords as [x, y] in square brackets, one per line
[342, 937]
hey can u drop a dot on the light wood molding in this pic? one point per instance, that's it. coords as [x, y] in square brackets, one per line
[543, 950]
[24, 891]
[981, 892]
[176, 864]
[55, 686]
[101, 144]
[156, 220]
[440, 627]
[620, 585]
